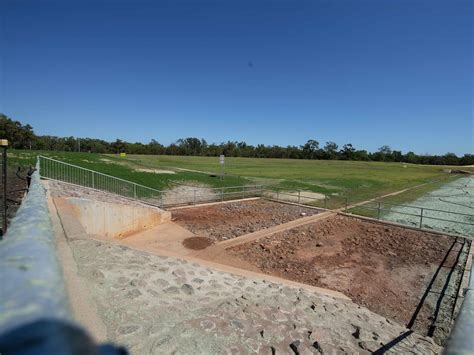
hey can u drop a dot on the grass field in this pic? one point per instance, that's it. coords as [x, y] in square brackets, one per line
[356, 180]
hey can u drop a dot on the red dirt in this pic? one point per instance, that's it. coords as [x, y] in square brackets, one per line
[197, 243]
[229, 220]
[385, 268]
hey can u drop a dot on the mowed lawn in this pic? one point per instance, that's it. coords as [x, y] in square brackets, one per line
[340, 179]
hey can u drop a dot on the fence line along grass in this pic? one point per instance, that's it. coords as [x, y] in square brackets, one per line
[356, 181]
[121, 169]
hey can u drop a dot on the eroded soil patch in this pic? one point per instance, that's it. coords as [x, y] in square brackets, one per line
[229, 220]
[385, 268]
[197, 243]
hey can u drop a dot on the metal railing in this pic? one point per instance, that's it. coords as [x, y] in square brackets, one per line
[420, 217]
[288, 196]
[183, 195]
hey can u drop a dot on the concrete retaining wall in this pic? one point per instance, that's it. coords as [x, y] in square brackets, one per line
[32, 285]
[114, 219]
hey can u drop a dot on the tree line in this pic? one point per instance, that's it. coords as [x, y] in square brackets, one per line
[22, 136]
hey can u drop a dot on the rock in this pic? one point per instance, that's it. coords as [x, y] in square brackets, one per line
[98, 275]
[235, 323]
[138, 283]
[198, 280]
[179, 273]
[127, 329]
[161, 283]
[133, 294]
[172, 290]
[187, 289]
[207, 324]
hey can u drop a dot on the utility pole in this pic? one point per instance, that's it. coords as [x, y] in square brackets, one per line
[4, 145]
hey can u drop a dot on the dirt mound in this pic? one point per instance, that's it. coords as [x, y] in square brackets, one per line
[197, 243]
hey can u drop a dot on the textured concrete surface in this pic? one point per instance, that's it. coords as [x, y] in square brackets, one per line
[31, 282]
[80, 299]
[156, 304]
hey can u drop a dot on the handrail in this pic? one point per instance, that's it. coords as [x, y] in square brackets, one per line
[57, 170]
[99, 173]
[424, 208]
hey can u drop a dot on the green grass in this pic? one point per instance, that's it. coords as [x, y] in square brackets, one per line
[120, 168]
[357, 181]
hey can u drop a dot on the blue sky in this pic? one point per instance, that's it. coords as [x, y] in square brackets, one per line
[396, 72]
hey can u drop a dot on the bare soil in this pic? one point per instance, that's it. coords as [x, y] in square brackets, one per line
[197, 243]
[229, 220]
[384, 268]
[16, 189]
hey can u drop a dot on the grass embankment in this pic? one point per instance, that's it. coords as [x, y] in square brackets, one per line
[121, 168]
[356, 181]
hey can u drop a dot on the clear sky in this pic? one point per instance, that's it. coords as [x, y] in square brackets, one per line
[396, 72]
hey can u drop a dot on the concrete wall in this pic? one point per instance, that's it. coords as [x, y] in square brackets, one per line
[116, 220]
[31, 279]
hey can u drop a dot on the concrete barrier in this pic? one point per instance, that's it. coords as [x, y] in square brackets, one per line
[31, 278]
[114, 220]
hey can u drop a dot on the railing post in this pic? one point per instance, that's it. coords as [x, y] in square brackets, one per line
[378, 212]
[194, 198]
[135, 191]
[222, 194]
[93, 182]
[325, 201]
[347, 202]
[278, 195]
[421, 218]
[299, 196]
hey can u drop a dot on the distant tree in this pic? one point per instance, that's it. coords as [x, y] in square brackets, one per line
[451, 159]
[347, 151]
[330, 148]
[309, 149]
[23, 137]
[467, 159]
[385, 152]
